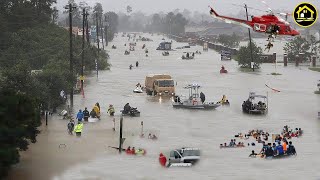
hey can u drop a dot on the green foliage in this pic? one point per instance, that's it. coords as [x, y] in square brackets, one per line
[296, 46]
[40, 45]
[171, 23]
[230, 41]
[315, 69]
[112, 25]
[30, 41]
[244, 57]
[19, 119]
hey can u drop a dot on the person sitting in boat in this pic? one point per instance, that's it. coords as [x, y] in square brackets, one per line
[193, 54]
[227, 103]
[279, 149]
[269, 151]
[138, 85]
[128, 150]
[130, 67]
[264, 147]
[223, 100]
[240, 144]
[274, 148]
[232, 143]
[126, 108]
[133, 150]
[202, 97]
[253, 154]
[299, 132]
[187, 55]
[154, 137]
[291, 149]
[111, 110]
[149, 136]
[177, 99]
[93, 114]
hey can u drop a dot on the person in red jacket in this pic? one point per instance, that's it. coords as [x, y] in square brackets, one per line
[162, 160]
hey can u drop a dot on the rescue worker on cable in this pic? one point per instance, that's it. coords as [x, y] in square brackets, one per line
[268, 46]
[78, 129]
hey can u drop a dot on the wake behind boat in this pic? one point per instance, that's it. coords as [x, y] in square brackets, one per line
[195, 100]
[138, 90]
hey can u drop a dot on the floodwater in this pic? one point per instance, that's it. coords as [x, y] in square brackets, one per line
[89, 157]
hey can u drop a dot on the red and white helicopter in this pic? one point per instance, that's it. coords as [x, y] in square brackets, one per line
[269, 24]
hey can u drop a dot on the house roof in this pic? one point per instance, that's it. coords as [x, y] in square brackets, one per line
[304, 7]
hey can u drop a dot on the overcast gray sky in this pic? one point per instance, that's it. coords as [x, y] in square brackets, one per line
[221, 6]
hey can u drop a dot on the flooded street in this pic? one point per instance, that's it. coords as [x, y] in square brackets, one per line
[89, 157]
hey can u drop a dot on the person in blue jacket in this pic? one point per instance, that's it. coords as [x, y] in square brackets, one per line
[80, 115]
[279, 149]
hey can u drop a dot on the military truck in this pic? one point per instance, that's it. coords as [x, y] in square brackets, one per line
[159, 84]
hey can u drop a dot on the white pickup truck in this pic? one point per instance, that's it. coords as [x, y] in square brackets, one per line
[184, 155]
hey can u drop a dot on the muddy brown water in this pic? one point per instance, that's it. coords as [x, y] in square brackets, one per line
[89, 157]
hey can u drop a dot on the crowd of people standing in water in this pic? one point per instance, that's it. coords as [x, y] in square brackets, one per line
[83, 116]
[279, 147]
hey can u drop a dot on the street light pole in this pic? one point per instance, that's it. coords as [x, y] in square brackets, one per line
[250, 46]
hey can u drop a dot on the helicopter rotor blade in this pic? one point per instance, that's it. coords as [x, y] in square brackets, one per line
[248, 7]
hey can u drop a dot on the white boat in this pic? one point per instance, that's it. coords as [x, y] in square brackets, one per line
[138, 90]
[90, 119]
[255, 104]
[194, 100]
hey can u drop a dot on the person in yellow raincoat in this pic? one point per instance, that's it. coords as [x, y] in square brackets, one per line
[78, 129]
[96, 108]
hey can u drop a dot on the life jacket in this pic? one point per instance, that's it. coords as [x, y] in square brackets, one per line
[111, 109]
[284, 145]
[78, 128]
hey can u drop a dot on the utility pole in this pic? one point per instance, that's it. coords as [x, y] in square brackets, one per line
[87, 28]
[120, 135]
[245, 6]
[101, 27]
[82, 59]
[97, 29]
[70, 8]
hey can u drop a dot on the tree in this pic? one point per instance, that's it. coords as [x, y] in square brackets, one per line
[229, 41]
[19, 119]
[244, 57]
[296, 46]
[315, 46]
[55, 15]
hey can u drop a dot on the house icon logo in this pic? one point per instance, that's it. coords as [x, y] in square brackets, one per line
[305, 15]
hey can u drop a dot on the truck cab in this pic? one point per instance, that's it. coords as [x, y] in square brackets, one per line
[160, 84]
[184, 155]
